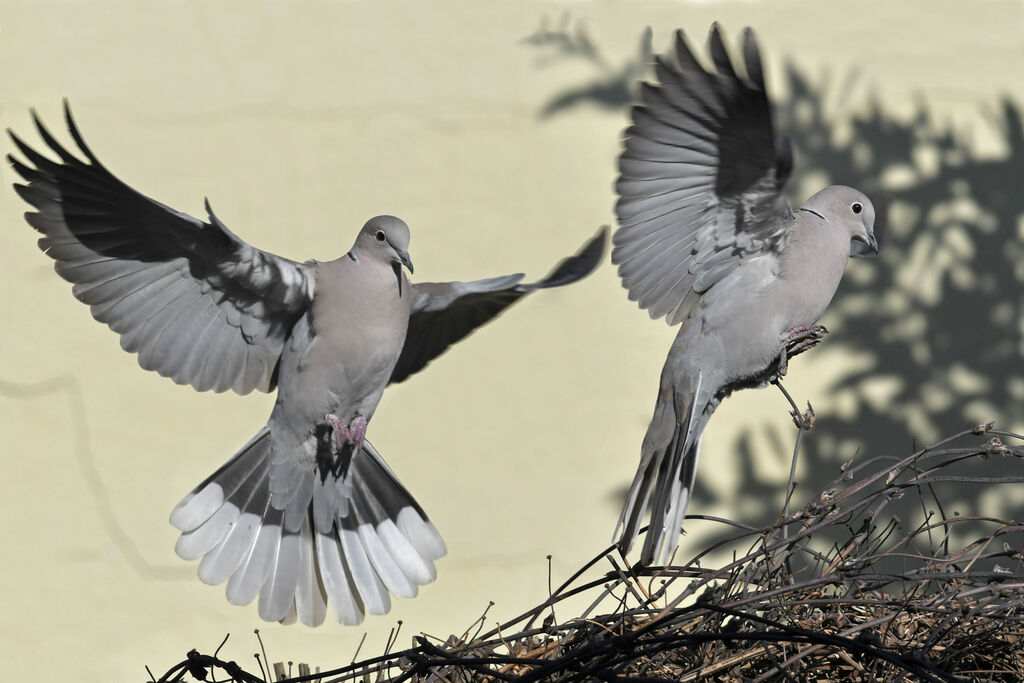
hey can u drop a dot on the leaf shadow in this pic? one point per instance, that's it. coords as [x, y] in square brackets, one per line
[937, 318]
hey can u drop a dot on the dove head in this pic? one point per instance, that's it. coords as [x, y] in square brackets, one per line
[385, 238]
[848, 209]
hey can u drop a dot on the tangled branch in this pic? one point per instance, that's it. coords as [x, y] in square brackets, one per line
[830, 589]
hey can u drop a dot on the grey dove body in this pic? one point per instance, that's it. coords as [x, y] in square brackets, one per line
[707, 240]
[306, 514]
[351, 342]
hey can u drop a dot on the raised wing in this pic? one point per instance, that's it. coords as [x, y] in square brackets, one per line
[196, 303]
[447, 312]
[701, 177]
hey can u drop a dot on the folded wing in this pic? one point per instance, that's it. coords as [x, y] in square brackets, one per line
[196, 303]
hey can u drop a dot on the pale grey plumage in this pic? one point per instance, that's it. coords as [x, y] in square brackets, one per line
[706, 239]
[289, 519]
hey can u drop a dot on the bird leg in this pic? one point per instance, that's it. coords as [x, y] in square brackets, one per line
[327, 457]
[802, 337]
[353, 434]
[343, 441]
[357, 432]
[339, 428]
[797, 340]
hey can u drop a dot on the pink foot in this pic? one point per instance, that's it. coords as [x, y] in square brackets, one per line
[353, 433]
[339, 428]
[338, 445]
[357, 432]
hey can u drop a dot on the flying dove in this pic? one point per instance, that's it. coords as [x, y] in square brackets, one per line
[307, 512]
[706, 239]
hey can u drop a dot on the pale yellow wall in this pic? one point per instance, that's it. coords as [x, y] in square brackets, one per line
[301, 120]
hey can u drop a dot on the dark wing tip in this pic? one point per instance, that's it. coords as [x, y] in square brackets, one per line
[65, 156]
[36, 158]
[26, 194]
[684, 54]
[752, 58]
[577, 266]
[16, 140]
[51, 141]
[26, 172]
[719, 55]
[77, 135]
[209, 212]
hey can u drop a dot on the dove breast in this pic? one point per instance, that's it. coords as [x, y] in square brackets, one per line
[341, 358]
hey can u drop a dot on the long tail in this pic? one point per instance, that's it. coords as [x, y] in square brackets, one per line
[668, 466]
[379, 542]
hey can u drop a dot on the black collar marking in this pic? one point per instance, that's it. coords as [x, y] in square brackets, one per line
[812, 211]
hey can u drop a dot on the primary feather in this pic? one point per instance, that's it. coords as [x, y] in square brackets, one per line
[707, 240]
[298, 518]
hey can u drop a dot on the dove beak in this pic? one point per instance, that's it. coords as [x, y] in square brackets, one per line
[403, 258]
[863, 245]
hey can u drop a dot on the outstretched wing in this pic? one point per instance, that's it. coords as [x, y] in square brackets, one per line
[701, 177]
[196, 303]
[444, 313]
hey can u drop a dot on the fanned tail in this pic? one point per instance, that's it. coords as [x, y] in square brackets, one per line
[664, 480]
[351, 550]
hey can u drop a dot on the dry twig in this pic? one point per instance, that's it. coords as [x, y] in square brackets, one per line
[842, 594]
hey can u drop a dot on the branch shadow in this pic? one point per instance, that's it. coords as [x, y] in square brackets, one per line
[613, 88]
[936, 321]
[940, 314]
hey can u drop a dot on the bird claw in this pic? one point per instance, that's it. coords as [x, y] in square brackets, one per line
[357, 432]
[353, 433]
[340, 443]
[797, 340]
[783, 366]
[802, 337]
[338, 428]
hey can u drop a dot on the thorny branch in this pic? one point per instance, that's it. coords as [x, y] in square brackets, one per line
[842, 591]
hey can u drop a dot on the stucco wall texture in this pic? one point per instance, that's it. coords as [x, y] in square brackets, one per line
[300, 121]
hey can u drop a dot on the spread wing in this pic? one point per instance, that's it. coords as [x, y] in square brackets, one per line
[444, 313]
[196, 303]
[701, 178]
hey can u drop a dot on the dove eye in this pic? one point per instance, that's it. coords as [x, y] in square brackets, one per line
[857, 208]
[380, 236]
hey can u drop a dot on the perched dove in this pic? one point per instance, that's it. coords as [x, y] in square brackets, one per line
[307, 512]
[706, 239]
